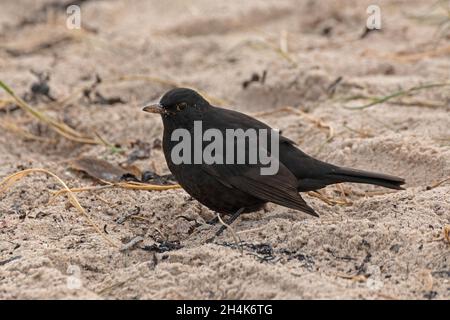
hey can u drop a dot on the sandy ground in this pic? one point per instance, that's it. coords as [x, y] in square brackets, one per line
[377, 245]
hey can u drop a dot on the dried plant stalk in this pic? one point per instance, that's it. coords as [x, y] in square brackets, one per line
[60, 127]
[10, 180]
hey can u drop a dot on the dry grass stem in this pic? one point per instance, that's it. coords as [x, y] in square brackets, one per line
[10, 180]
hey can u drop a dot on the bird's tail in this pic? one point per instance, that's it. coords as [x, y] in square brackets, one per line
[340, 174]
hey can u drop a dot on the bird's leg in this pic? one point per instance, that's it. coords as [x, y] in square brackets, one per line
[213, 221]
[230, 221]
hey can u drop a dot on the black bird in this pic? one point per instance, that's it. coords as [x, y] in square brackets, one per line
[233, 189]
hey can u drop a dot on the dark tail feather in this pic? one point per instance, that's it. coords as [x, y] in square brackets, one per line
[353, 175]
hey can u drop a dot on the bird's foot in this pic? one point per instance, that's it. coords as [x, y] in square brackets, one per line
[225, 225]
[213, 221]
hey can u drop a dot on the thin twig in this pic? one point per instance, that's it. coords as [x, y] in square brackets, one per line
[379, 100]
[8, 181]
[437, 184]
[124, 185]
[60, 127]
[327, 200]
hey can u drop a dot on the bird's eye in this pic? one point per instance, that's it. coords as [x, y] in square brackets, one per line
[181, 106]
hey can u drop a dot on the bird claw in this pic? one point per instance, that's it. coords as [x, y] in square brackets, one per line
[212, 221]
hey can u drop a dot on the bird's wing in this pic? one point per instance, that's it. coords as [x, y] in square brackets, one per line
[231, 119]
[279, 188]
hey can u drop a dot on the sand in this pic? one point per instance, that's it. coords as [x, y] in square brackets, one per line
[370, 244]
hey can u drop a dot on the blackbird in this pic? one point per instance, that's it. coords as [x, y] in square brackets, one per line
[233, 189]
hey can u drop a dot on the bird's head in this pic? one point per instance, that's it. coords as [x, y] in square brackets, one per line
[179, 105]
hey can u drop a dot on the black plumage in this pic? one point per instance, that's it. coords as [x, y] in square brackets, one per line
[237, 188]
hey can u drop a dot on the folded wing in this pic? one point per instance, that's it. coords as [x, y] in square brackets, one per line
[280, 188]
